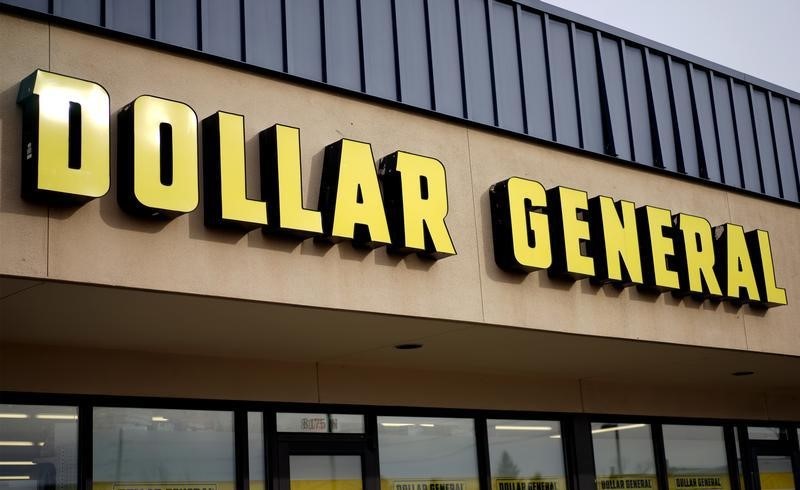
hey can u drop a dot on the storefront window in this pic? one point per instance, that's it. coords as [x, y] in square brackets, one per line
[427, 453]
[334, 423]
[144, 449]
[623, 456]
[38, 447]
[255, 450]
[696, 458]
[764, 433]
[526, 454]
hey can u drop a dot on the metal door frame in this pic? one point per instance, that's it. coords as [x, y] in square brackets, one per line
[326, 445]
[751, 449]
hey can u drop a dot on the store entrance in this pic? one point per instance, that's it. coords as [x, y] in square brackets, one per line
[319, 451]
[321, 465]
[774, 458]
[775, 469]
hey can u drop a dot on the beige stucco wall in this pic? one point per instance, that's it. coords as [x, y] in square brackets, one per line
[23, 227]
[98, 243]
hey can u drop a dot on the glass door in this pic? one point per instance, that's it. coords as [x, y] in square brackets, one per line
[307, 465]
[774, 470]
[770, 457]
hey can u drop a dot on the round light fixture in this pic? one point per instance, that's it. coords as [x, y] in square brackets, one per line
[408, 346]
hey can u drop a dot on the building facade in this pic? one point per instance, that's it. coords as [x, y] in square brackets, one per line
[385, 244]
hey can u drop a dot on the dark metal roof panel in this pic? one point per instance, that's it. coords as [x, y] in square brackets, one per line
[519, 65]
[263, 34]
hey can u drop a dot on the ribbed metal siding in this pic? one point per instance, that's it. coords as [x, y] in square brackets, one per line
[518, 65]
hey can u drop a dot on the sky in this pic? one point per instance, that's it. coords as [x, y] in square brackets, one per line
[760, 38]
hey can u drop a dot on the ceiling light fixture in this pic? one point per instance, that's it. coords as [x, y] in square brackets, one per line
[523, 427]
[16, 443]
[56, 416]
[743, 373]
[408, 346]
[159, 419]
[17, 463]
[396, 424]
[13, 416]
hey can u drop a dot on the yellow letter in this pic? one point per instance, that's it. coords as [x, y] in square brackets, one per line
[350, 197]
[569, 256]
[65, 138]
[697, 272]
[158, 157]
[616, 241]
[734, 267]
[761, 254]
[282, 184]
[416, 204]
[519, 227]
[657, 248]
[224, 182]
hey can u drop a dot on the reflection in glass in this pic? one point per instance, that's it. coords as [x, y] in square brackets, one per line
[775, 473]
[255, 449]
[437, 452]
[141, 449]
[696, 458]
[764, 433]
[38, 447]
[325, 472]
[524, 451]
[335, 423]
[623, 456]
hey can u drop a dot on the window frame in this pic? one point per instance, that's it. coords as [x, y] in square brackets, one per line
[565, 448]
[576, 433]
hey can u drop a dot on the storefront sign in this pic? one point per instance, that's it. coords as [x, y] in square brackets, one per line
[646, 482]
[699, 482]
[164, 486]
[571, 236]
[529, 484]
[428, 484]
[66, 159]
[403, 205]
